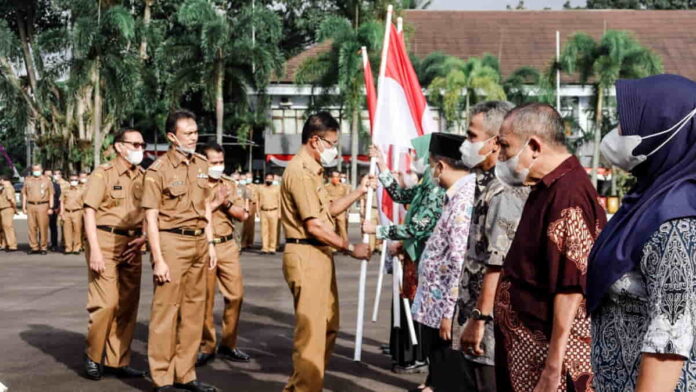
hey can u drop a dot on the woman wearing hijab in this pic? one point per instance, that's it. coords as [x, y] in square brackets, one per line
[642, 271]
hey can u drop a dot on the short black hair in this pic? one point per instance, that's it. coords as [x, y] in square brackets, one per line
[319, 124]
[175, 116]
[212, 146]
[121, 135]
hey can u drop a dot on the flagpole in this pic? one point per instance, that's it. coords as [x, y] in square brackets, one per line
[368, 206]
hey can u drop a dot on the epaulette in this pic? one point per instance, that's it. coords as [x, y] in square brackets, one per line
[106, 166]
[226, 177]
[156, 164]
[201, 156]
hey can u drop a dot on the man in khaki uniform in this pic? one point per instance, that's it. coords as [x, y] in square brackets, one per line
[113, 223]
[307, 217]
[178, 214]
[249, 231]
[8, 209]
[37, 204]
[228, 272]
[71, 201]
[268, 204]
[336, 190]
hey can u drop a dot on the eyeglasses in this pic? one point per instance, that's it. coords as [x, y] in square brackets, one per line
[135, 144]
[331, 144]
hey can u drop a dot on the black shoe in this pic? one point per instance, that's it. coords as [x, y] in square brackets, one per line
[204, 358]
[76, 253]
[273, 253]
[44, 252]
[195, 386]
[166, 388]
[125, 372]
[416, 368]
[34, 252]
[93, 370]
[233, 354]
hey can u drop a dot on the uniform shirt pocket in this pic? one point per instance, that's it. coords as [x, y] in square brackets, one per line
[175, 189]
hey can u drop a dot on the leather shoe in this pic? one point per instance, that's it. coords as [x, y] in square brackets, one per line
[196, 386]
[93, 370]
[125, 372]
[233, 354]
[204, 358]
[165, 388]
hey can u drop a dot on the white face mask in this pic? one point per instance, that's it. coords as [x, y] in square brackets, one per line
[73, 183]
[134, 157]
[276, 183]
[328, 156]
[215, 172]
[470, 152]
[83, 180]
[36, 173]
[507, 172]
[618, 149]
[186, 151]
[418, 166]
[343, 180]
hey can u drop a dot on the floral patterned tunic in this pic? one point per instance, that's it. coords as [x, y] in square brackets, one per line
[441, 263]
[650, 310]
[559, 224]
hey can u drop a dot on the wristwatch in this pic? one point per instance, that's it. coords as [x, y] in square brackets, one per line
[477, 315]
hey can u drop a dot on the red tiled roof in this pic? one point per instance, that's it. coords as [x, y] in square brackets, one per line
[522, 38]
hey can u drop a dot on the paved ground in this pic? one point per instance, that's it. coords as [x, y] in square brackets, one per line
[43, 321]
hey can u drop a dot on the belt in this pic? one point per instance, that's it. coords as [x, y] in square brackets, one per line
[183, 231]
[123, 232]
[79, 209]
[305, 241]
[222, 240]
[269, 209]
[37, 202]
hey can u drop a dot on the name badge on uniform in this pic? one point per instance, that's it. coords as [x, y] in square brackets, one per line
[118, 187]
[202, 175]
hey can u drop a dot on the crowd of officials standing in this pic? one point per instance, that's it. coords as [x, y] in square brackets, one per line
[516, 279]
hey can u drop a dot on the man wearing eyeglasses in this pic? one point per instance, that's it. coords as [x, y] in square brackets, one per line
[114, 228]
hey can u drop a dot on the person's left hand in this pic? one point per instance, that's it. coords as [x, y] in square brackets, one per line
[50, 211]
[369, 227]
[368, 182]
[221, 195]
[471, 337]
[446, 329]
[212, 254]
[132, 249]
[549, 381]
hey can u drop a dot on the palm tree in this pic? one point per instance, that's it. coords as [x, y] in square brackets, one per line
[601, 63]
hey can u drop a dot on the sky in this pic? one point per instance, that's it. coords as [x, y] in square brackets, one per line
[498, 4]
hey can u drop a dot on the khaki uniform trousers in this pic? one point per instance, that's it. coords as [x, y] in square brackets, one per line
[178, 307]
[341, 226]
[112, 302]
[228, 275]
[269, 230]
[249, 228]
[72, 231]
[311, 277]
[37, 219]
[8, 231]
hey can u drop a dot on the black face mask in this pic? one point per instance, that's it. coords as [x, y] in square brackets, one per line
[269, 182]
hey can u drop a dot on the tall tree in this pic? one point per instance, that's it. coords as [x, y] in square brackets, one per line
[601, 63]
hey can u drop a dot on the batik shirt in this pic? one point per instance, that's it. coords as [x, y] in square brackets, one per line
[650, 310]
[425, 207]
[559, 225]
[497, 211]
[442, 259]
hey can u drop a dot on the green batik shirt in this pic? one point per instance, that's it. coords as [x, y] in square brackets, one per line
[425, 207]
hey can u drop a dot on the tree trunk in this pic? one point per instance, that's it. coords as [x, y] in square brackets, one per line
[219, 104]
[147, 16]
[26, 50]
[97, 118]
[597, 135]
[353, 148]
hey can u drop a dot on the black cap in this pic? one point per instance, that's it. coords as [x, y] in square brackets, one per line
[446, 145]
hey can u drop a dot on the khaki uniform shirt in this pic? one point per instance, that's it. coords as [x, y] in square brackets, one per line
[251, 192]
[178, 187]
[72, 199]
[115, 192]
[268, 197]
[239, 194]
[7, 195]
[64, 185]
[303, 196]
[223, 224]
[37, 189]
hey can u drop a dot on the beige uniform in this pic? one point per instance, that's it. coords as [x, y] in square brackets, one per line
[71, 199]
[114, 192]
[227, 273]
[337, 191]
[38, 191]
[268, 203]
[8, 208]
[310, 273]
[177, 186]
[250, 224]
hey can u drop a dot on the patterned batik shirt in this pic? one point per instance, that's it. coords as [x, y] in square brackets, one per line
[650, 310]
[425, 207]
[442, 259]
[559, 225]
[497, 212]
